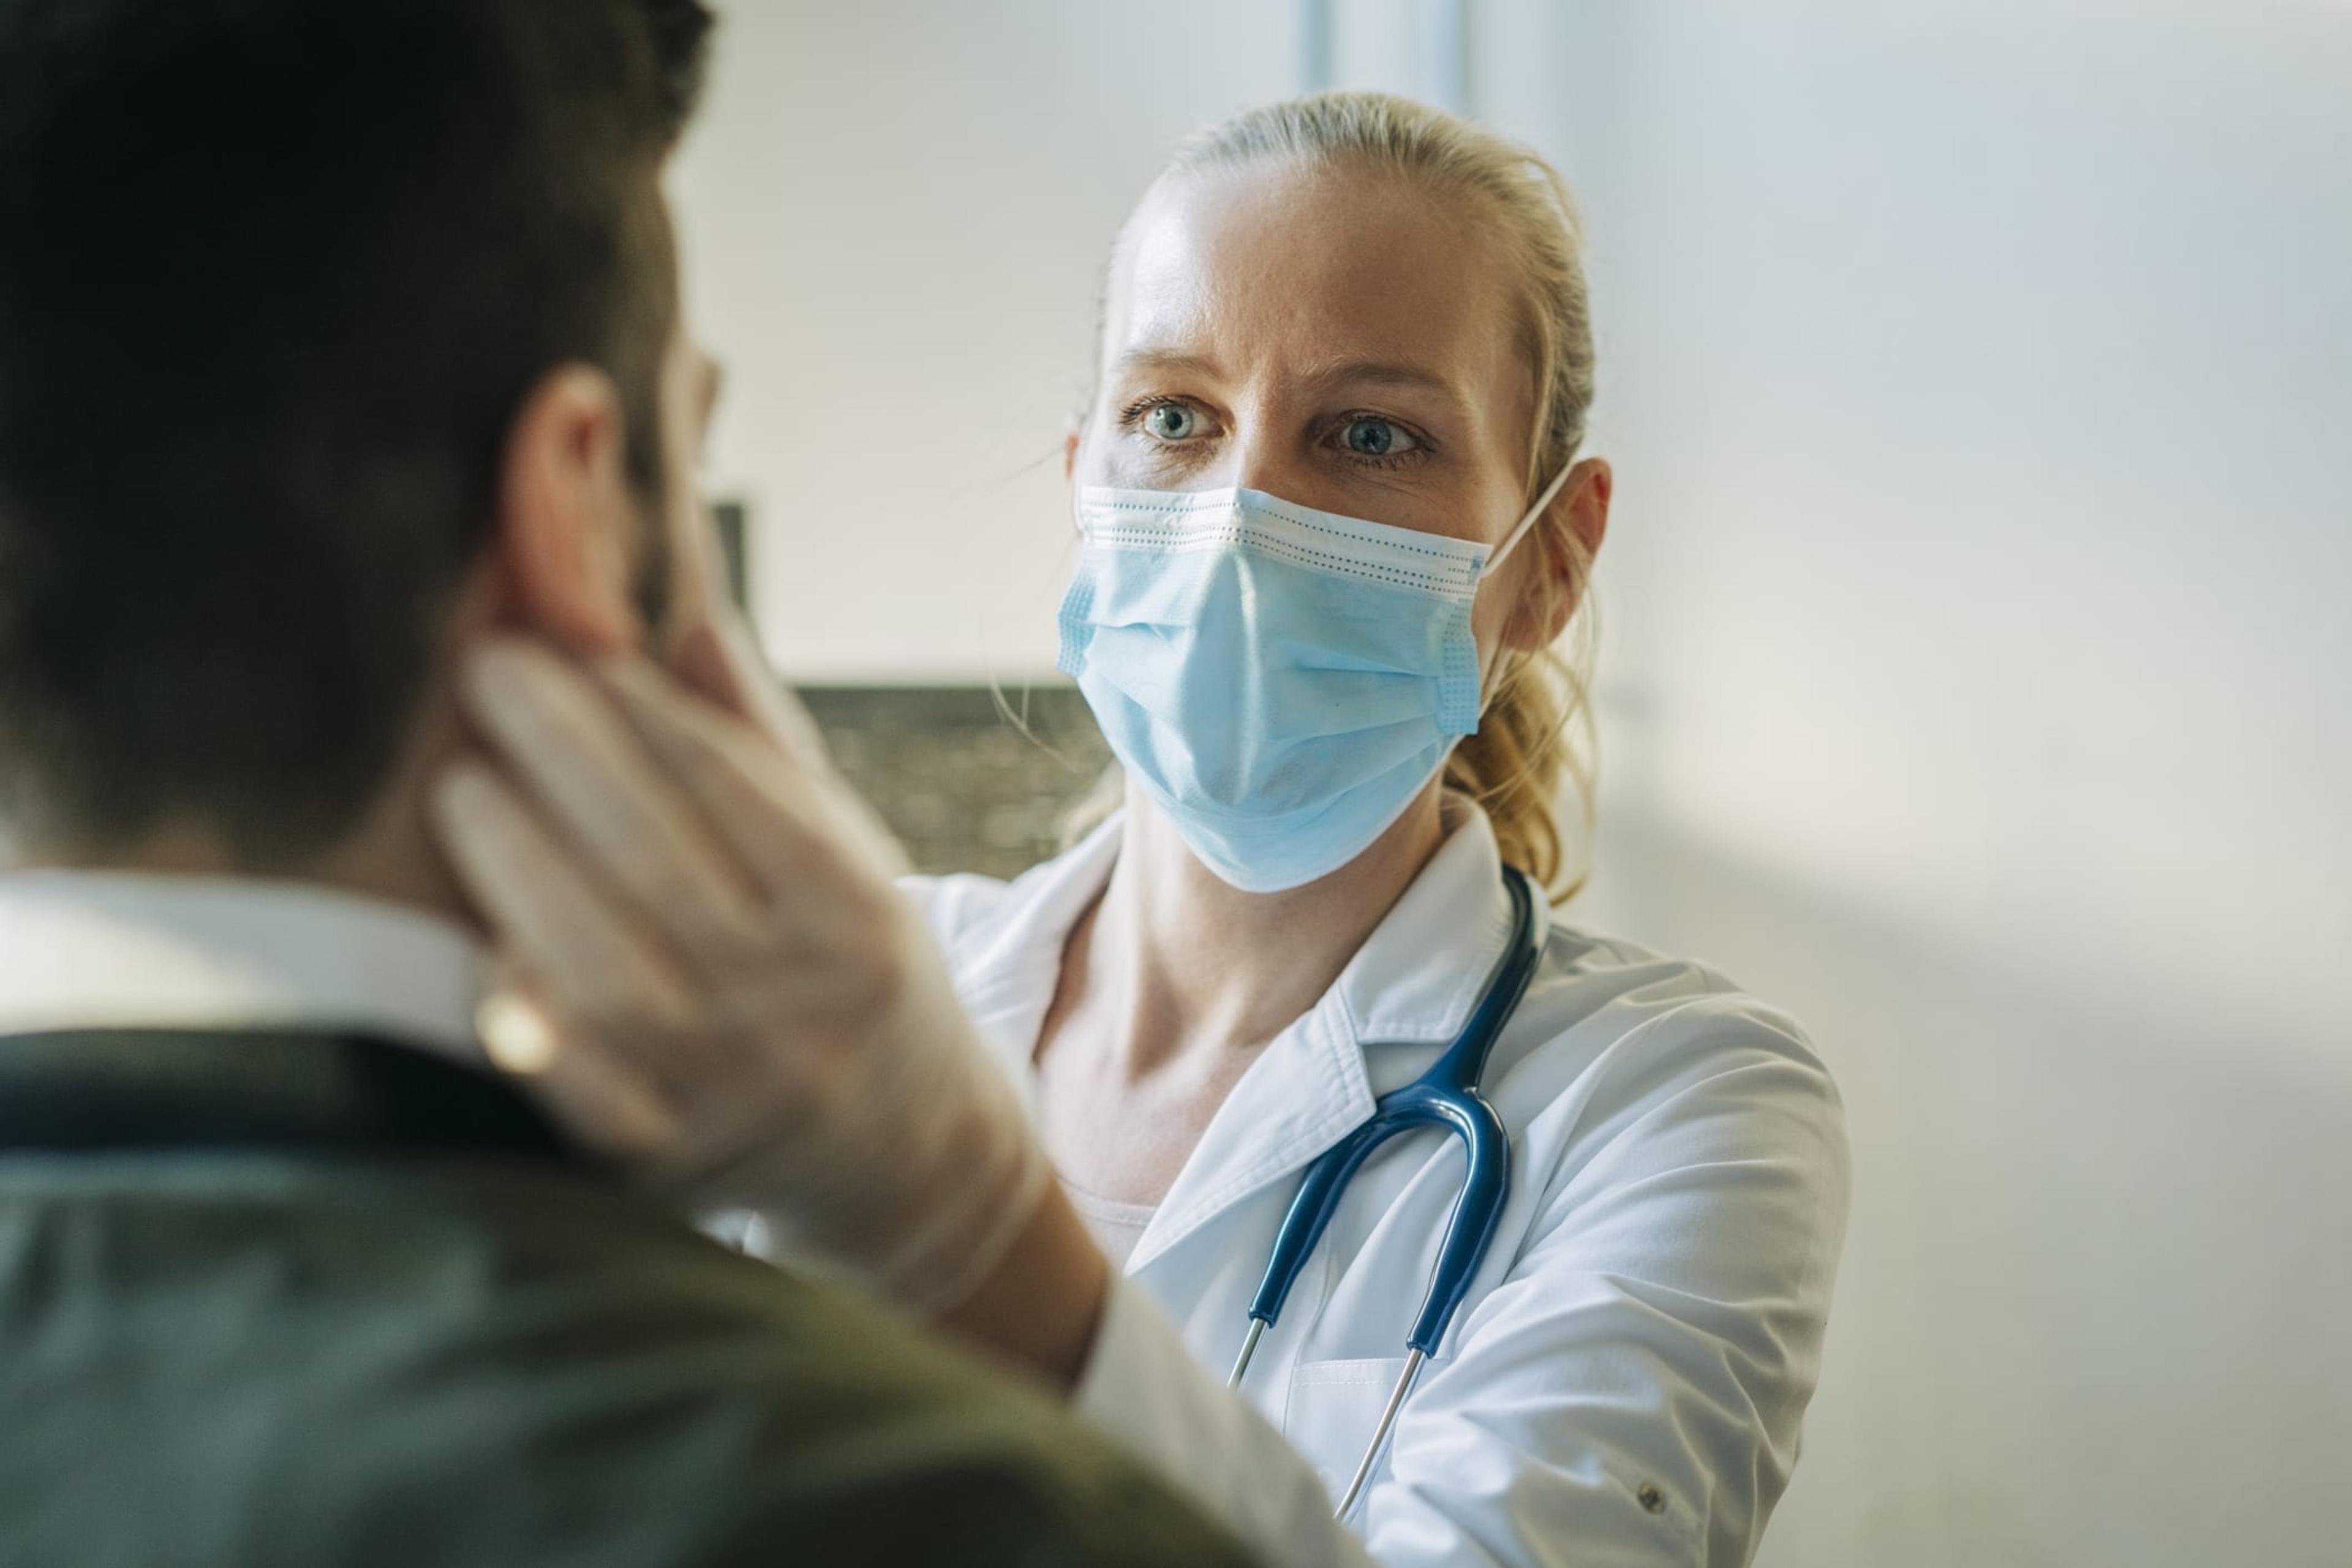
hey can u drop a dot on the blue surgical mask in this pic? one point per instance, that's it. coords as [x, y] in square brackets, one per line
[1282, 682]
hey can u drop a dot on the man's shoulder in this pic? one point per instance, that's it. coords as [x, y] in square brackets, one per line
[460, 1364]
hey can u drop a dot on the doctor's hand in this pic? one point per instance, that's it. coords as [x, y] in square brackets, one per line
[716, 983]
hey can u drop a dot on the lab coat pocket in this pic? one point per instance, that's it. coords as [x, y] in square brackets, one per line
[1335, 1407]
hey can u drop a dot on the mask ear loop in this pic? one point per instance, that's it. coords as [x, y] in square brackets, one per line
[1535, 513]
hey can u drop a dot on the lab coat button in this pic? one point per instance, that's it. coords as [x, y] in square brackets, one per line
[1648, 1495]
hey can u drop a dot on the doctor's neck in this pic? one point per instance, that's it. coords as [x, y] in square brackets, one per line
[1195, 962]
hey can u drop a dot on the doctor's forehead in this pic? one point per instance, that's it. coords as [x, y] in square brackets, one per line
[1278, 265]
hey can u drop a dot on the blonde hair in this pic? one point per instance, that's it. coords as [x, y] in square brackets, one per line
[1536, 740]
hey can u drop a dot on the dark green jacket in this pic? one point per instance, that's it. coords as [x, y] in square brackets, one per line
[275, 1300]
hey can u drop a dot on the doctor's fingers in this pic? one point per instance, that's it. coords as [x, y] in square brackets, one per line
[561, 735]
[806, 835]
[589, 964]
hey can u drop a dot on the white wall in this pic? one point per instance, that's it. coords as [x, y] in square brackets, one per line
[895, 213]
[1979, 377]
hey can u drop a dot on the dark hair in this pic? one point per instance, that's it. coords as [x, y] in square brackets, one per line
[275, 278]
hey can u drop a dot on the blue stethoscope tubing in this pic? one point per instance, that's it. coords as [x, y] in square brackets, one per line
[1446, 1095]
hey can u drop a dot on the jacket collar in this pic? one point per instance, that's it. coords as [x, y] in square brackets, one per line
[281, 1091]
[1414, 982]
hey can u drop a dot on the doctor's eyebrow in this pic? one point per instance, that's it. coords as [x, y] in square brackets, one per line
[1391, 372]
[1164, 360]
[1345, 373]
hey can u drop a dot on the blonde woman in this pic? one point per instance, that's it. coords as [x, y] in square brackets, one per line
[1333, 520]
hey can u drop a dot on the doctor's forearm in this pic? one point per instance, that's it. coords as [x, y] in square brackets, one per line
[1039, 1308]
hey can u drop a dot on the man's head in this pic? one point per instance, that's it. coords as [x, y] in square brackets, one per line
[326, 326]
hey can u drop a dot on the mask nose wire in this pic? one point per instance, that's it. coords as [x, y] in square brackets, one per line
[1511, 542]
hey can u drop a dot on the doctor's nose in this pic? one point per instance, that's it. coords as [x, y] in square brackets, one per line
[1257, 460]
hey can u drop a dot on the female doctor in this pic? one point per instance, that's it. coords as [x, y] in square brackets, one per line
[1331, 522]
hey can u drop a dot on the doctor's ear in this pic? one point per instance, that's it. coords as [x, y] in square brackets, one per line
[567, 515]
[1565, 545]
[1072, 435]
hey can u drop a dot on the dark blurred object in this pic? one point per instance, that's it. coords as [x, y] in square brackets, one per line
[957, 780]
[730, 519]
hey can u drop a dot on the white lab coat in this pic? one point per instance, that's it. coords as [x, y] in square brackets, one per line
[1624, 1383]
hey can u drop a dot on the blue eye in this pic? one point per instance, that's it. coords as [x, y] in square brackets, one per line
[1369, 435]
[1171, 421]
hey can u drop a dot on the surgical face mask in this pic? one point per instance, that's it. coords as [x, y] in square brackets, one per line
[1282, 682]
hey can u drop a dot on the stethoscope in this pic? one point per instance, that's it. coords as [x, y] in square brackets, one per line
[1447, 1095]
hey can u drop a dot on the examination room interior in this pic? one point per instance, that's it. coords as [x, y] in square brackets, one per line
[1975, 652]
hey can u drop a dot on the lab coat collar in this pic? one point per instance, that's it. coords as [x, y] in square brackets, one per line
[1420, 974]
[1006, 978]
[1414, 982]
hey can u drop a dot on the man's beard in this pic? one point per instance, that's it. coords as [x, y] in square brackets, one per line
[654, 586]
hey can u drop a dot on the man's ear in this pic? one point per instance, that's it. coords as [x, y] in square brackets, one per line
[568, 516]
[1579, 513]
[1070, 439]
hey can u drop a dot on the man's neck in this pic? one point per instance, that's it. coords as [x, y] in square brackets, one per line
[391, 855]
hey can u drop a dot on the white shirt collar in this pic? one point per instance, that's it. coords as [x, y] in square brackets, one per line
[125, 949]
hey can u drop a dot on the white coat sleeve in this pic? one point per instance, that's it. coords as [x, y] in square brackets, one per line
[1629, 1393]
[1143, 1388]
